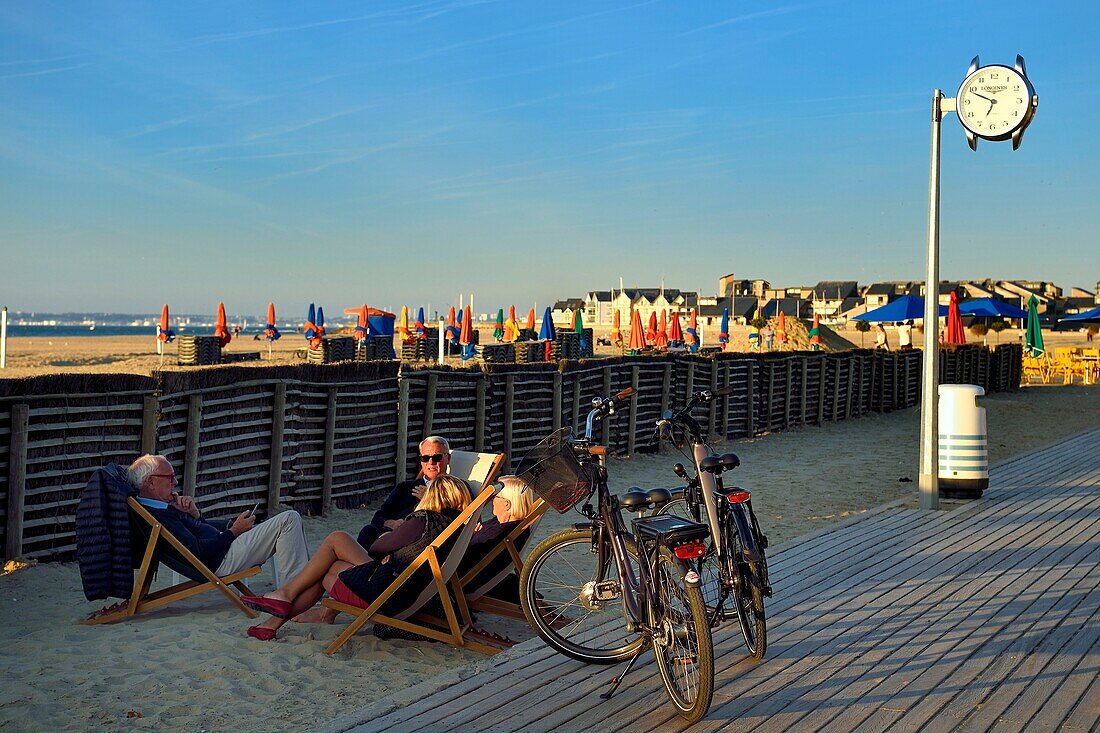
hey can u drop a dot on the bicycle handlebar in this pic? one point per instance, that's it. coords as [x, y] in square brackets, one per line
[602, 406]
[683, 417]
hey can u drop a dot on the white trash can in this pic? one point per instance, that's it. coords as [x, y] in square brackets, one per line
[963, 457]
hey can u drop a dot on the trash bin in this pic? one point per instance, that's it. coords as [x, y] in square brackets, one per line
[963, 458]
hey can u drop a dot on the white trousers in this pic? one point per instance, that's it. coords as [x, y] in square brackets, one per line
[280, 537]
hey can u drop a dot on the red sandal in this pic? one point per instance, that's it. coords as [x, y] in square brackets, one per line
[261, 632]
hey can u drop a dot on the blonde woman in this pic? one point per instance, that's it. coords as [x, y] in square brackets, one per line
[356, 576]
[510, 507]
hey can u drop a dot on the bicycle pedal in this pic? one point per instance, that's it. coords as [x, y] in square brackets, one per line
[684, 661]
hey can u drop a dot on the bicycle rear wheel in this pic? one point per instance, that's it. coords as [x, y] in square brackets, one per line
[573, 613]
[708, 566]
[682, 643]
[749, 598]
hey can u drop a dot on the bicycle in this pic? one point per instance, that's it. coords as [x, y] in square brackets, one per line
[735, 562]
[573, 579]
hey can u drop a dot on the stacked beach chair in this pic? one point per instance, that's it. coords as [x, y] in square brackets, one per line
[196, 350]
[498, 353]
[332, 350]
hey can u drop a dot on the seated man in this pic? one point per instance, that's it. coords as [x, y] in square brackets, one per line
[435, 457]
[239, 546]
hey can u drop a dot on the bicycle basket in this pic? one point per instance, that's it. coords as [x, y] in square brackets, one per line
[554, 473]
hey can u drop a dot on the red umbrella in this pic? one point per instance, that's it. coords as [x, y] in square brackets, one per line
[956, 334]
[616, 331]
[164, 333]
[220, 329]
[637, 338]
[466, 336]
[651, 332]
[781, 329]
[531, 320]
[661, 342]
[693, 332]
[675, 335]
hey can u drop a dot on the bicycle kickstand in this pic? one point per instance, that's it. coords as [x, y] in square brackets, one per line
[616, 681]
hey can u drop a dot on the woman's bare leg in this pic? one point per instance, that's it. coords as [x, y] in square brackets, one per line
[324, 615]
[337, 547]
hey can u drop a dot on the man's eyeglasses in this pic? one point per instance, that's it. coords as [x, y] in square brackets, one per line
[434, 458]
[162, 475]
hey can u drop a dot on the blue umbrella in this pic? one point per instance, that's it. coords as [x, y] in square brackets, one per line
[1089, 316]
[990, 308]
[418, 327]
[547, 332]
[905, 308]
[311, 320]
[724, 334]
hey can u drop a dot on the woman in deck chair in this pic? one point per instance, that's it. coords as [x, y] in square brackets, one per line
[356, 576]
[510, 507]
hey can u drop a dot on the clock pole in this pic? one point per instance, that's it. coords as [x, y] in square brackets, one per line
[928, 483]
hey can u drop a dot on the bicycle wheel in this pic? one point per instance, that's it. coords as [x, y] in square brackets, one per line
[749, 599]
[682, 643]
[569, 610]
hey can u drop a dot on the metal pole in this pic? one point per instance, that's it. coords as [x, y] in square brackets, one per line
[3, 337]
[441, 338]
[928, 485]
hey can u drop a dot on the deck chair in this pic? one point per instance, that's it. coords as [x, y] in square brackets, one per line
[476, 469]
[147, 537]
[429, 575]
[478, 576]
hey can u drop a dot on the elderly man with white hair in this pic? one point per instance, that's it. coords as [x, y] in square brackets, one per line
[240, 545]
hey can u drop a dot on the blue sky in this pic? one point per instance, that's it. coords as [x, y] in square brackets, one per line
[396, 153]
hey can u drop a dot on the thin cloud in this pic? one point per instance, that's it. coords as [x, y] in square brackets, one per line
[288, 129]
[43, 72]
[742, 19]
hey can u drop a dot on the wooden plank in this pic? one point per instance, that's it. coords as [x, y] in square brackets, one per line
[428, 427]
[632, 419]
[17, 480]
[401, 453]
[275, 465]
[192, 445]
[558, 396]
[149, 425]
[509, 413]
[479, 413]
[330, 445]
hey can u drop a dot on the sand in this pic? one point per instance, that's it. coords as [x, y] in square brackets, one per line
[190, 667]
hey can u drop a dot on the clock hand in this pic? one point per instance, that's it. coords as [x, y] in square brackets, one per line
[982, 96]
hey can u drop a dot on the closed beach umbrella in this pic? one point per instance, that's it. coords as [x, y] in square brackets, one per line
[1033, 338]
[418, 326]
[498, 329]
[955, 332]
[511, 326]
[815, 333]
[637, 337]
[661, 340]
[692, 332]
[403, 324]
[362, 324]
[781, 328]
[452, 326]
[466, 336]
[531, 320]
[616, 330]
[319, 329]
[651, 332]
[547, 332]
[724, 333]
[675, 335]
[220, 329]
[164, 333]
[270, 331]
[578, 326]
[309, 329]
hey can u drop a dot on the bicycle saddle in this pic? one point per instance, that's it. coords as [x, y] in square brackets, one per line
[729, 460]
[634, 500]
[711, 464]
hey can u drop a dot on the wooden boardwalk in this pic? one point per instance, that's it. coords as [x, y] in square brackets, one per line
[985, 617]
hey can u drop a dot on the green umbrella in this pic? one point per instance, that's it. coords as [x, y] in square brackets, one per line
[579, 328]
[1033, 341]
[498, 331]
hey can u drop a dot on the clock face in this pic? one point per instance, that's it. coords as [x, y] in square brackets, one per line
[994, 101]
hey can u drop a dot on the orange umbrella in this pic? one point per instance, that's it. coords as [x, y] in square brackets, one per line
[531, 320]
[164, 334]
[651, 332]
[661, 342]
[675, 335]
[466, 337]
[815, 333]
[220, 329]
[452, 326]
[616, 332]
[637, 338]
[956, 334]
[693, 333]
[781, 328]
[362, 324]
[511, 326]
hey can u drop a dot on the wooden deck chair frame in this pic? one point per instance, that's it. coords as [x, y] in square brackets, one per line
[508, 544]
[458, 620]
[142, 600]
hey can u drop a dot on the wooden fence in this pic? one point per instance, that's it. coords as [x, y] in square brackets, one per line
[310, 437]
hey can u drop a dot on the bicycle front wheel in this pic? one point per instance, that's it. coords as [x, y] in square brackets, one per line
[682, 642]
[573, 612]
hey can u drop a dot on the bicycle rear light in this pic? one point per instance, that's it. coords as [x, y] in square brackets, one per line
[690, 550]
[738, 497]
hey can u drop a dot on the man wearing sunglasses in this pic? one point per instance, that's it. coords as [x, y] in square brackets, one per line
[435, 457]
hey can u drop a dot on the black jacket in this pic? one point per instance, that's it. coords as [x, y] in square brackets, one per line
[103, 535]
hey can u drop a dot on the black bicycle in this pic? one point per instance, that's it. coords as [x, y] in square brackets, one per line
[578, 585]
[735, 564]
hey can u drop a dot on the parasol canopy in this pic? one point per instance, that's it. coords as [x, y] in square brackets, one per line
[547, 332]
[578, 327]
[164, 333]
[531, 320]
[651, 332]
[452, 326]
[511, 326]
[362, 324]
[661, 341]
[692, 333]
[270, 331]
[1033, 337]
[675, 335]
[498, 328]
[955, 332]
[220, 329]
[781, 328]
[466, 335]
[990, 308]
[905, 308]
[418, 325]
[616, 330]
[815, 333]
[637, 337]
[1090, 316]
[724, 333]
[403, 325]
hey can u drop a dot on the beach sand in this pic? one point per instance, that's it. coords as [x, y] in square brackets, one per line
[190, 667]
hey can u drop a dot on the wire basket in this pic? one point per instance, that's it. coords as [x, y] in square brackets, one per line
[552, 470]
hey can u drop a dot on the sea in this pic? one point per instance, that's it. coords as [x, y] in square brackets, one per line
[51, 332]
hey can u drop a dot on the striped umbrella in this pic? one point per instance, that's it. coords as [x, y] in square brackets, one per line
[692, 333]
[220, 329]
[956, 334]
[637, 337]
[1033, 337]
[165, 334]
[815, 333]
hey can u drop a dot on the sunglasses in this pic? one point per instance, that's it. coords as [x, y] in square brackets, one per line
[434, 458]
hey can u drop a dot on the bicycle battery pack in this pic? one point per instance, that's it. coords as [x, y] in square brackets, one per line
[670, 530]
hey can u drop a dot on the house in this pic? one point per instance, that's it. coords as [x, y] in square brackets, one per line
[729, 286]
[789, 307]
[828, 298]
[879, 294]
[651, 300]
[943, 291]
[562, 311]
[598, 310]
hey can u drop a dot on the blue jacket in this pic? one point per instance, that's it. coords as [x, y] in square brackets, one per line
[103, 535]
